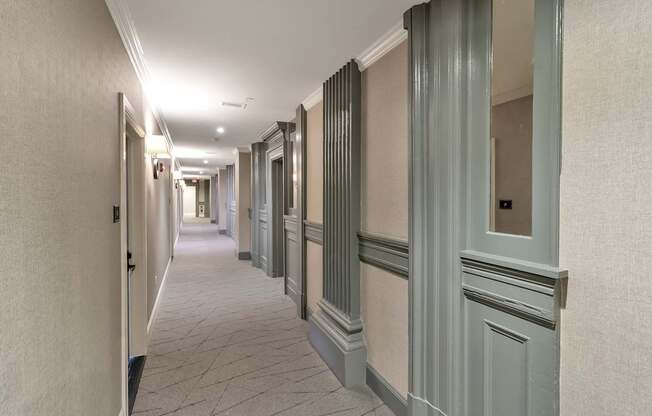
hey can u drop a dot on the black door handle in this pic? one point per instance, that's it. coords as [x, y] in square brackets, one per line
[130, 267]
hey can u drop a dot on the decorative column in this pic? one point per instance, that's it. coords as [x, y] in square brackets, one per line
[258, 182]
[336, 328]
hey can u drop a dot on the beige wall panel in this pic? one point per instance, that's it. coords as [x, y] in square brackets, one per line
[315, 163]
[314, 274]
[384, 171]
[606, 221]
[384, 308]
[62, 66]
[384, 210]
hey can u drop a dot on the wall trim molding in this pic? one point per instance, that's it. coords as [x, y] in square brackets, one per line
[314, 98]
[386, 392]
[125, 26]
[314, 231]
[522, 310]
[387, 253]
[159, 296]
[381, 47]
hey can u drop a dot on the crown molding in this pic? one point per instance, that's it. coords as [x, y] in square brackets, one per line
[125, 26]
[381, 47]
[314, 98]
[391, 39]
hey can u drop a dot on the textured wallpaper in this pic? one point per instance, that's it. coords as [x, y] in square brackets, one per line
[606, 208]
[384, 210]
[62, 64]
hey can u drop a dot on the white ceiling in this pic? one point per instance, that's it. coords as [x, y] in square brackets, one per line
[203, 52]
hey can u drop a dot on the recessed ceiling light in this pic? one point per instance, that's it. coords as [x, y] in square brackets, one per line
[201, 173]
[205, 162]
[220, 130]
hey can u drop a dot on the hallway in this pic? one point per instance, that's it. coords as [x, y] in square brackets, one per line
[227, 342]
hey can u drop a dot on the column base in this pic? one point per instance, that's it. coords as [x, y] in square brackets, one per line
[344, 353]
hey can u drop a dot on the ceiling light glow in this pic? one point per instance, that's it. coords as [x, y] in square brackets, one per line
[220, 130]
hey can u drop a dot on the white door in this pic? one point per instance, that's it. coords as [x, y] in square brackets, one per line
[189, 202]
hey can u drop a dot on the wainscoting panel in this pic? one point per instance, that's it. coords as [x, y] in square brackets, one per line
[292, 259]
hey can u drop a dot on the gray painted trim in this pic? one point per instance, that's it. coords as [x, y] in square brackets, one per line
[299, 149]
[386, 253]
[386, 392]
[314, 232]
[437, 75]
[345, 354]
[543, 244]
[244, 255]
[511, 306]
[342, 126]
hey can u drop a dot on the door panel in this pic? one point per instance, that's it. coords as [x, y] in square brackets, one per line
[292, 263]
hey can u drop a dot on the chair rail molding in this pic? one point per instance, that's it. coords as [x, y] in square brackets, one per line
[387, 253]
[314, 232]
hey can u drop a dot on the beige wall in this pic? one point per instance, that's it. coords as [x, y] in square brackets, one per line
[384, 210]
[315, 163]
[158, 231]
[384, 170]
[243, 202]
[314, 278]
[62, 66]
[384, 307]
[606, 225]
[314, 201]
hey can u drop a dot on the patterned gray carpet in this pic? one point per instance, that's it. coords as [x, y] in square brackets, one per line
[227, 342]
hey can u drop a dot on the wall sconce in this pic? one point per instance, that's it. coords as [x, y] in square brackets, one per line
[157, 147]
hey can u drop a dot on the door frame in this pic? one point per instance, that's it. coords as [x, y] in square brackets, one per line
[136, 223]
[275, 203]
[127, 120]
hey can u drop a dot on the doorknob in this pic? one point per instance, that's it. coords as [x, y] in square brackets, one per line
[130, 266]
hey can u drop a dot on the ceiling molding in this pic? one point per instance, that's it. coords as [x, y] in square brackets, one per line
[314, 98]
[391, 39]
[125, 26]
[381, 47]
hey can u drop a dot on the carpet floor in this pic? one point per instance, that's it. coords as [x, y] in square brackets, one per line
[227, 342]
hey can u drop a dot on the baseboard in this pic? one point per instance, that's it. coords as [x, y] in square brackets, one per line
[386, 392]
[348, 363]
[244, 255]
[159, 295]
[136, 367]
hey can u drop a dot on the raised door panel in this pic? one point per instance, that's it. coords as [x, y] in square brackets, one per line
[292, 260]
[510, 364]
[263, 226]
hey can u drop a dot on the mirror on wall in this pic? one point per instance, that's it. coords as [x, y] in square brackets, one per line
[512, 91]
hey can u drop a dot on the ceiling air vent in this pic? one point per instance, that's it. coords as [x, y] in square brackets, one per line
[234, 105]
